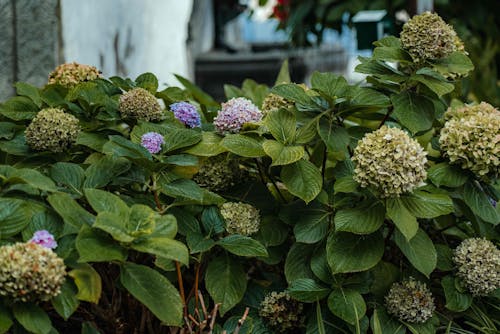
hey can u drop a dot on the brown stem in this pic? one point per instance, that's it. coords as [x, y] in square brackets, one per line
[386, 117]
[181, 287]
[196, 283]
[241, 321]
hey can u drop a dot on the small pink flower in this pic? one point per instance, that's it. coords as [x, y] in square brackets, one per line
[44, 238]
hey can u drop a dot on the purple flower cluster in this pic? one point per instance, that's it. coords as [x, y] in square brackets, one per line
[44, 239]
[186, 113]
[234, 114]
[152, 141]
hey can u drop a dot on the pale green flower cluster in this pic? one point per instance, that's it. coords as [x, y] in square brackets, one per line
[71, 74]
[410, 301]
[52, 130]
[390, 162]
[218, 173]
[240, 218]
[138, 103]
[478, 264]
[275, 102]
[281, 312]
[30, 272]
[471, 138]
[427, 36]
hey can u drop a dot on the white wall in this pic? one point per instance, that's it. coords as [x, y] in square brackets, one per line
[128, 37]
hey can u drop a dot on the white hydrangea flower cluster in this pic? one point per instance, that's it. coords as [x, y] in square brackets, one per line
[282, 312]
[478, 264]
[410, 301]
[390, 162]
[71, 74]
[471, 138]
[240, 218]
[30, 272]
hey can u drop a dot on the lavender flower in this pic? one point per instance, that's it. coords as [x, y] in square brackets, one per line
[186, 113]
[234, 114]
[44, 239]
[152, 141]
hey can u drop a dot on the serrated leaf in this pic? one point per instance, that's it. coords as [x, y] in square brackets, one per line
[70, 211]
[242, 246]
[392, 54]
[401, 217]
[32, 317]
[104, 170]
[14, 216]
[113, 224]
[66, 303]
[68, 174]
[347, 304]
[360, 220]
[96, 246]
[297, 262]
[281, 154]
[163, 247]
[457, 62]
[433, 80]
[336, 138]
[456, 301]
[302, 179]
[119, 146]
[210, 145]
[422, 204]
[480, 204]
[243, 146]
[420, 251]
[282, 125]
[25, 89]
[148, 81]
[307, 290]
[444, 174]
[332, 85]
[102, 201]
[415, 112]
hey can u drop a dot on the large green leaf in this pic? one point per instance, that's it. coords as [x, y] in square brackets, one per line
[96, 246]
[119, 146]
[420, 251]
[242, 246]
[360, 220]
[281, 154]
[443, 174]
[177, 138]
[33, 178]
[6, 320]
[66, 303]
[423, 204]
[115, 225]
[311, 223]
[88, 282]
[19, 108]
[391, 54]
[348, 252]
[163, 247]
[335, 137]
[226, 282]
[293, 92]
[404, 220]
[153, 290]
[14, 216]
[347, 304]
[25, 89]
[479, 203]
[70, 211]
[456, 301]
[282, 125]
[210, 145]
[457, 62]
[148, 81]
[382, 323]
[302, 179]
[69, 175]
[415, 112]
[297, 262]
[104, 170]
[434, 81]
[332, 85]
[272, 232]
[242, 145]
[307, 290]
[32, 317]
[101, 201]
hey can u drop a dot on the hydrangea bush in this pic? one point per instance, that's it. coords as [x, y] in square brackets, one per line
[326, 208]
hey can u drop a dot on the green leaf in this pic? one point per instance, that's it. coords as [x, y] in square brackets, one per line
[121, 147]
[360, 220]
[33, 178]
[199, 243]
[281, 154]
[284, 74]
[226, 282]
[282, 125]
[88, 282]
[148, 81]
[479, 203]
[32, 317]
[307, 290]
[96, 246]
[457, 62]
[347, 304]
[456, 301]
[70, 211]
[422, 204]
[368, 97]
[345, 184]
[163, 247]
[243, 146]
[347, 253]
[297, 262]
[415, 112]
[104, 170]
[293, 92]
[382, 323]
[69, 175]
[179, 138]
[443, 174]
[242, 246]
[302, 179]
[19, 108]
[210, 145]
[182, 188]
[272, 232]
[420, 251]
[102, 201]
[154, 291]
[404, 220]
[32, 92]
[319, 266]
[113, 224]
[5, 320]
[142, 221]
[311, 223]
[93, 140]
[14, 216]
[444, 258]
[433, 80]
[391, 54]
[332, 85]
[335, 137]
[66, 302]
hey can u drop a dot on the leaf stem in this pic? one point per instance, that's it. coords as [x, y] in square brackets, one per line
[181, 288]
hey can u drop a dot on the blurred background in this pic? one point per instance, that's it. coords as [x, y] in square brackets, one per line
[213, 42]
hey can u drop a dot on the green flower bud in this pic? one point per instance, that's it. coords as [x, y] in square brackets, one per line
[52, 130]
[218, 173]
[410, 301]
[427, 36]
[71, 74]
[390, 162]
[478, 264]
[471, 138]
[30, 272]
[240, 218]
[138, 103]
[281, 312]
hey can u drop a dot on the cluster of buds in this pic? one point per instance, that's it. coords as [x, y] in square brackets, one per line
[53, 130]
[282, 312]
[240, 218]
[274, 102]
[234, 114]
[138, 103]
[71, 74]
[390, 162]
[410, 301]
[218, 173]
